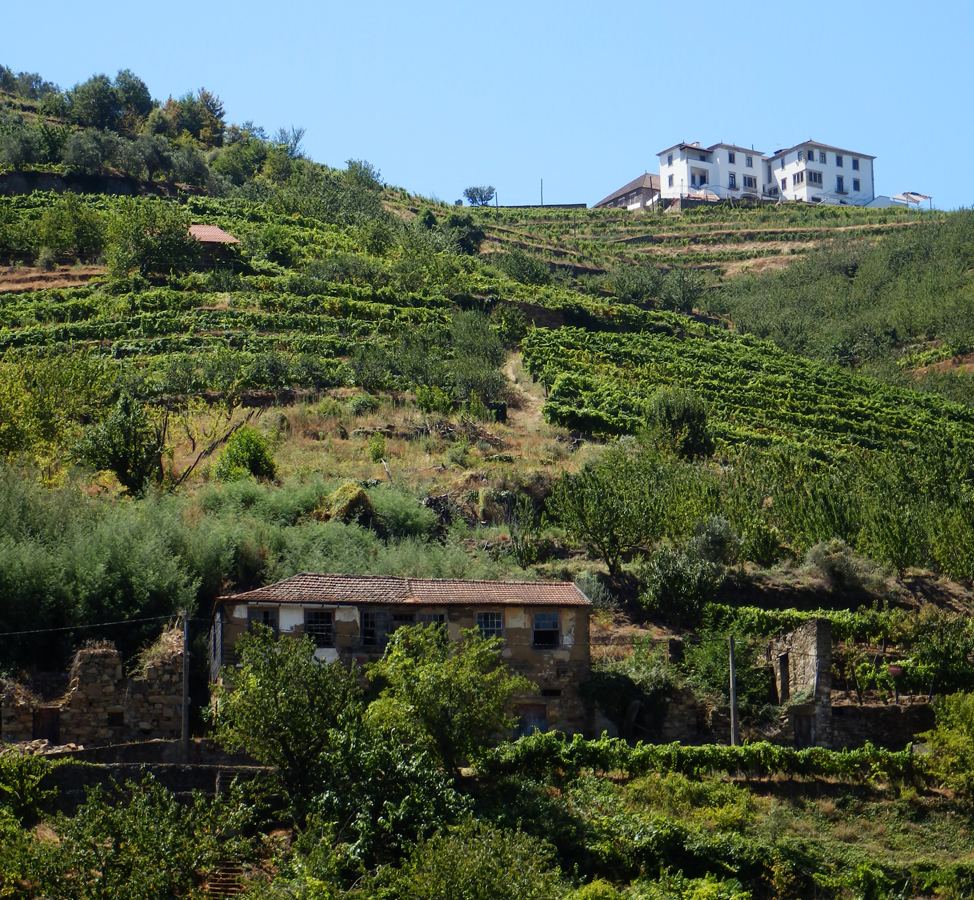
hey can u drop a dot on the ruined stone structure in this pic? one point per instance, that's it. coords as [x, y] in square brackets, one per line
[544, 628]
[101, 705]
[802, 662]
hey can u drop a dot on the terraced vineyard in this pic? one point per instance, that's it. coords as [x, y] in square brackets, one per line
[757, 394]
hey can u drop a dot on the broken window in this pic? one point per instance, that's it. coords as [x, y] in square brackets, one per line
[319, 624]
[375, 629]
[491, 624]
[546, 630]
[265, 617]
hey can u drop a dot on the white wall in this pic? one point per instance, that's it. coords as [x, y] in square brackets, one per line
[830, 172]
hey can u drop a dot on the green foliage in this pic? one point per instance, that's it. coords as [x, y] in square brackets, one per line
[246, 454]
[678, 584]
[707, 668]
[148, 237]
[612, 506]
[21, 785]
[126, 444]
[637, 284]
[951, 743]
[476, 861]
[524, 267]
[447, 697]
[678, 418]
[287, 710]
[376, 447]
[69, 226]
[143, 844]
[479, 196]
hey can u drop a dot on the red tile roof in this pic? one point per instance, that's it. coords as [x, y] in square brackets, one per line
[313, 588]
[210, 234]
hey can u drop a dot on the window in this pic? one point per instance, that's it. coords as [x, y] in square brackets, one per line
[801, 155]
[669, 159]
[855, 185]
[532, 717]
[546, 632]
[265, 617]
[318, 624]
[401, 619]
[669, 182]
[840, 184]
[770, 175]
[375, 628]
[703, 157]
[748, 162]
[855, 164]
[784, 184]
[731, 180]
[731, 158]
[783, 162]
[750, 182]
[815, 178]
[432, 619]
[838, 161]
[491, 624]
[822, 158]
[797, 179]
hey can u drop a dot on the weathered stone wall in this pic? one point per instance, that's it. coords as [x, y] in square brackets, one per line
[101, 705]
[893, 726]
[802, 662]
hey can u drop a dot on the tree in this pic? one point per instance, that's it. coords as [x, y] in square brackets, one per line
[448, 697]
[148, 237]
[134, 100]
[678, 418]
[479, 196]
[613, 505]
[127, 444]
[286, 709]
[70, 226]
[94, 103]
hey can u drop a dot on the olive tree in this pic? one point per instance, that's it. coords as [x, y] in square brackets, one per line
[479, 196]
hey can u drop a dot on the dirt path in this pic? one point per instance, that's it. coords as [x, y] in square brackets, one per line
[530, 396]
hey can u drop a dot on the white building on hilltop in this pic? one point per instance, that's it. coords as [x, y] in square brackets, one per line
[811, 172]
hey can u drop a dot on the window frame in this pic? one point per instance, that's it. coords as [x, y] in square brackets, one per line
[797, 179]
[269, 617]
[491, 630]
[823, 157]
[731, 158]
[815, 178]
[431, 618]
[670, 182]
[556, 630]
[732, 181]
[753, 186]
[855, 164]
[840, 184]
[856, 186]
[324, 638]
[839, 161]
[380, 632]
[669, 159]
[748, 162]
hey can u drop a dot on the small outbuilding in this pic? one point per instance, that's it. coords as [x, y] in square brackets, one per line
[217, 247]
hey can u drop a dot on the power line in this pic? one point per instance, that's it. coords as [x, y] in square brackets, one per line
[92, 625]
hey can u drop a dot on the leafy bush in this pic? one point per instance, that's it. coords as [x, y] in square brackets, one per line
[679, 418]
[592, 587]
[148, 237]
[951, 743]
[21, 790]
[524, 267]
[127, 444]
[246, 454]
[835, 562]
[678, 584]
[715, 541]
[376, 447]
[707, 671]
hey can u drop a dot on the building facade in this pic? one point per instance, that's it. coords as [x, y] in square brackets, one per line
[642, 192]
[811, 172]
[544, 628]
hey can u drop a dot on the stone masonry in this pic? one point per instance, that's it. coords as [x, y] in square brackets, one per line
[101, 705]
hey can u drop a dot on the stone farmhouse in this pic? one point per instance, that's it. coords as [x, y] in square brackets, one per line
[544, 627]
[812, 172]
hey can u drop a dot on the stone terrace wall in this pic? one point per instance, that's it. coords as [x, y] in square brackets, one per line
[101, 705]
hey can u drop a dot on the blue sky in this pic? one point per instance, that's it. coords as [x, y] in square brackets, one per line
[440, 96]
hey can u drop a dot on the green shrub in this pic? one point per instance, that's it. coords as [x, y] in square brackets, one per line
[715, 541]
[524, 267]
[677, 584]
[246, 454]
[678, 418]
[951, 744]
[126, 443]
[835, 562]
[21, 778]
[595, 890]
[376, 447]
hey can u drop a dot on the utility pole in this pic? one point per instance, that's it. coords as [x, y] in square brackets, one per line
[185, 616]
[733, 697]
[542, 193]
